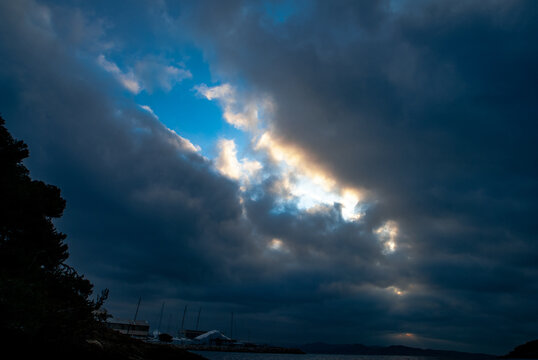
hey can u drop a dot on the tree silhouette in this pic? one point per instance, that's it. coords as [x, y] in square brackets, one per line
[41, 297]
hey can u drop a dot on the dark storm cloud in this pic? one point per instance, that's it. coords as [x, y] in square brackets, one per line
[429, 106]
[146, 216]
[142, 207]
[432, 107]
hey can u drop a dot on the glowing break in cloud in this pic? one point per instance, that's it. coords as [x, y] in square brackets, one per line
[301, 180]
[387, 235]
[309, 183]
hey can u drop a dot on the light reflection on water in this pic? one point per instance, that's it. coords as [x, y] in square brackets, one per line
[216, 355]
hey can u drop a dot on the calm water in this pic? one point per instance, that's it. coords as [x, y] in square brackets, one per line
[215, 355]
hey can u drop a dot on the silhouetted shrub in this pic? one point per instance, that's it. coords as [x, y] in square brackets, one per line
[165, 337]
[41, 297]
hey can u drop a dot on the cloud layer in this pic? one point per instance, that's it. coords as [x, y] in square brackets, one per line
[422, 113]
[430, 107]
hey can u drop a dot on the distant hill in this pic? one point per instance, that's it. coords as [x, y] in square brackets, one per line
[528, 350]
[359, 349]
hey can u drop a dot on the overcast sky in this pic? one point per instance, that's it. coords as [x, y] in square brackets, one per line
[338, 171]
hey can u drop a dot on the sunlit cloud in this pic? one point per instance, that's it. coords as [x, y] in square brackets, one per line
[149, 110]
[175, 140]
[241, 120]
[127, 80]
[362, 287]
[306, 181]
[276, 244]
[277, 247]
[184, 143]
[229, 165]
[395, 290]
[242, 115]
[406, 336]
[387, 234]
[148, 74]
[223, 91]
[155, 73]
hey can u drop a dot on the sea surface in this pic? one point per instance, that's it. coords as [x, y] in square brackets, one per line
[217, 355]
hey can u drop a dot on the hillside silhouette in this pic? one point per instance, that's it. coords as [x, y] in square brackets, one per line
[529, 350]
[45, 305]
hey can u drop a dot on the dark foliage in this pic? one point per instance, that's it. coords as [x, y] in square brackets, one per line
[165, 337]
[41, 297]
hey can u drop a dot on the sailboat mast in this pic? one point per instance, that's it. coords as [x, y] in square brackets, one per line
[161, 318]
[183, 319]
[136, 314]
[137, 307]
[198, 319]
[232, 326]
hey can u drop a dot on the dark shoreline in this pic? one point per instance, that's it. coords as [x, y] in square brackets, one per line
[104, 344]
[245, 349]
[392, 350]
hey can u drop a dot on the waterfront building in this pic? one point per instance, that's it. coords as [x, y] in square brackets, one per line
[137, 329]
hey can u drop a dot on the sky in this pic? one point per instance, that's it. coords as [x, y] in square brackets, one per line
[343, 171]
